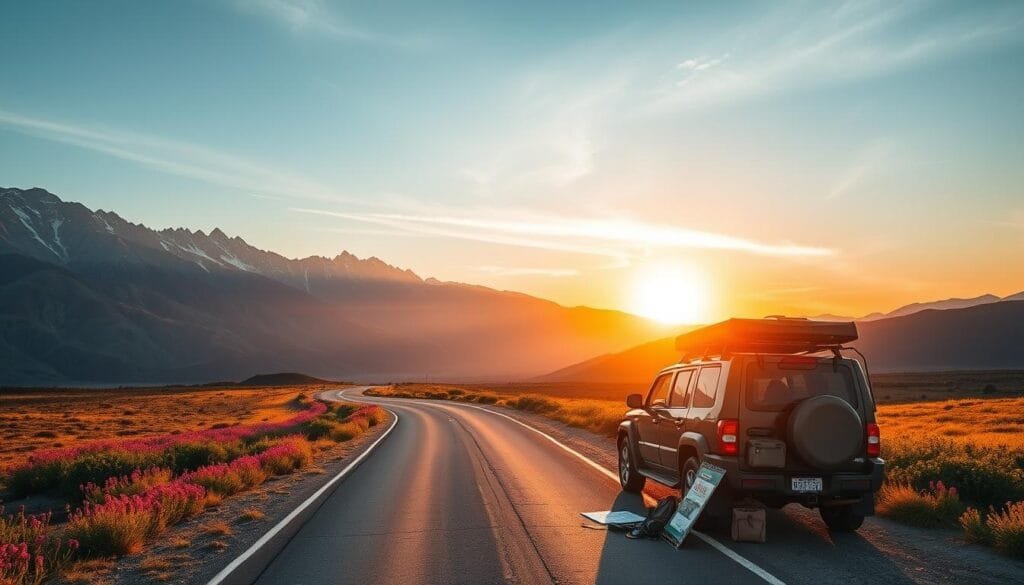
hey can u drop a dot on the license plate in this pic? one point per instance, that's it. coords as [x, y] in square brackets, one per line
[806, 484]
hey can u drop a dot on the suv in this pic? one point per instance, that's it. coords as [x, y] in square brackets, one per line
[774, 403]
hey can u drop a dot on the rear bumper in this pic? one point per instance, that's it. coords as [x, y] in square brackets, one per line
[844, 487]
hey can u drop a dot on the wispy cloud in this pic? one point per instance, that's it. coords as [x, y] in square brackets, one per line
[175, 157]
[555, 140]
[872, 159]
[786, 51]
[315, 17]
[525, 271]
[607, 237]
[479, 235]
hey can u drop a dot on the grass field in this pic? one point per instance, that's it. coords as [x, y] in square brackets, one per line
[38, 419]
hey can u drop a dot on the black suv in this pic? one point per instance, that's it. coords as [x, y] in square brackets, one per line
[773, 402]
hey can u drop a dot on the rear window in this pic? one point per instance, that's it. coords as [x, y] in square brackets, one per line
[775, 386]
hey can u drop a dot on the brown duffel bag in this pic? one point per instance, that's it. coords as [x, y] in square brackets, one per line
[748, 523]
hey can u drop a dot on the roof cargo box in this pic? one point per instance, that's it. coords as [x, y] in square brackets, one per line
[772, 335]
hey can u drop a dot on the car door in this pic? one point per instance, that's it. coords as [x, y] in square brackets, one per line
[649, 423]
[678, 406]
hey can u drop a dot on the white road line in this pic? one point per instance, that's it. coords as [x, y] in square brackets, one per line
[733, 555]
[226, 571]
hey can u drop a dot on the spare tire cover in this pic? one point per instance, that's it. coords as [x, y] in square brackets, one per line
[825, 431]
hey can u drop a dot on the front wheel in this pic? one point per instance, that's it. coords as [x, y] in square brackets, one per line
[629, 477]
[841, 518]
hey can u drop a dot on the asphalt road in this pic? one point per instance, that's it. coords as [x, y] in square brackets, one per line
[458, 494]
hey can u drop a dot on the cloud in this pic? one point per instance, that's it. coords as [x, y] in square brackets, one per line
[552, 144]
[698, 64]
[314, 17]
[522, 271]
[174, 157]
[426, 229]
[871, 160]
[607, 237]
[785, 51]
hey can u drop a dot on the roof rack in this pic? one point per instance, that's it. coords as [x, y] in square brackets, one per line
[775, 334]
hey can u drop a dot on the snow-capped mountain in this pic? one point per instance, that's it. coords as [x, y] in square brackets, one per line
[37, 223]
[87, 296]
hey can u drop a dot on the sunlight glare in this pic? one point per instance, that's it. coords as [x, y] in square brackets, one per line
[672, 294]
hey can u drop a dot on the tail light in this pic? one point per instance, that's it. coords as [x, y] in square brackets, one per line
[728, 436]
[874, 447]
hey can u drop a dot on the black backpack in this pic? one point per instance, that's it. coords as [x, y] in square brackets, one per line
[657, 518]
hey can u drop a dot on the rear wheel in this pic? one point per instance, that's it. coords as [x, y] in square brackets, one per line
[629, 477]
[841, 518]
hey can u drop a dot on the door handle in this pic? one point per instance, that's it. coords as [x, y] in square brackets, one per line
[679, 423]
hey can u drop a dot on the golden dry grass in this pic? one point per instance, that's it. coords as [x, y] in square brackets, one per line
[217, 528]
[250, 514]
[88, 572]
[978, 421]
[41, 419]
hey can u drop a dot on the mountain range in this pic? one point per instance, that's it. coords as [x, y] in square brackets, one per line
[89, 297]
[986, 336]
[941, 305]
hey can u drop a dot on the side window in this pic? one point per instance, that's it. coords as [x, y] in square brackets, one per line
[681, 390]
[707, 387]
[659, 391]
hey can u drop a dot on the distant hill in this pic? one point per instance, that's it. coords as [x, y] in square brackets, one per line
[944, 304]
[989, 336]
[282, 379]
[87, 297]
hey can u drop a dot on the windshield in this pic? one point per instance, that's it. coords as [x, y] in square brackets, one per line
[775, 386]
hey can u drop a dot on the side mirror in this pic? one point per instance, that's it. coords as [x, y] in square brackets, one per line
[635, 401]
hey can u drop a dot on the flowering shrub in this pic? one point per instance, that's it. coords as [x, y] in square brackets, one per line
[119, 517]
[28, 553]
[21, 527]
[126, 509]
[69, 468]
[289, 454]
[121, 524]
[226, 479]
[937, 506]
[346, 424]
[127, 485]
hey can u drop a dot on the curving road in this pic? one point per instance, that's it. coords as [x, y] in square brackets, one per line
[460, 494]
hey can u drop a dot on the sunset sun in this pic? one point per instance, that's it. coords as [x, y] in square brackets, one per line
[672, 294]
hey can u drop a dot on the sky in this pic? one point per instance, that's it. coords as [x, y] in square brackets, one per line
[687, 161]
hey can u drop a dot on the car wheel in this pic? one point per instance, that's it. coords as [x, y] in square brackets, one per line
[629, 477]
[690, 467]
[841, 518]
